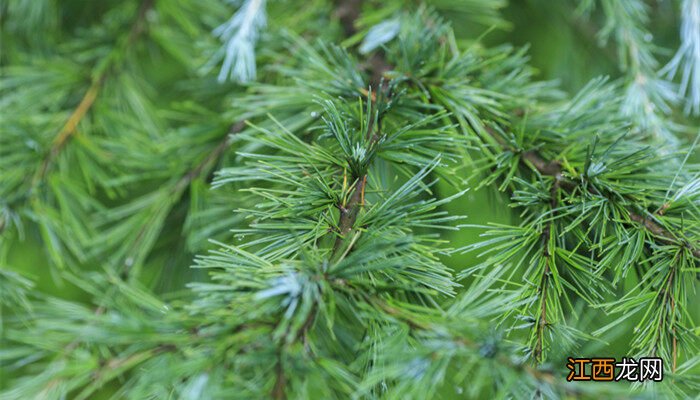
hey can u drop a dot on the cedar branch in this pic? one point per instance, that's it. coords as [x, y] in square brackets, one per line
[379, 65]
[553, 168]
[205, 166]
[86, 103]
[546, 234]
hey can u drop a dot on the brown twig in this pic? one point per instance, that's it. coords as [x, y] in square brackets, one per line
[667, 297]
[378, 67]
[546, 234]
[348, 11]
[211, 159]
[278, 391]
[140, 25]
[349, 212]
[551, 168]
[69, 128]
[542, 322]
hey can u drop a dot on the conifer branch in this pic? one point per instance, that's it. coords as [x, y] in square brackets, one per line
[69, 128]
[648, 97]
[668, 304]
[203, 168]
[350, 210]
[336, 286]
[546, 237]
[71, 125]
[553, 169]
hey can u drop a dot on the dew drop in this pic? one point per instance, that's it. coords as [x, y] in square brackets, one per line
[32, 144]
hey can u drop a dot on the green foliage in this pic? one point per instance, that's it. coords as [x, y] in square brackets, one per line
[124, 151]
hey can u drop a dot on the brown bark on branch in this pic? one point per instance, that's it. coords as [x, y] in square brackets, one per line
[348, 11]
